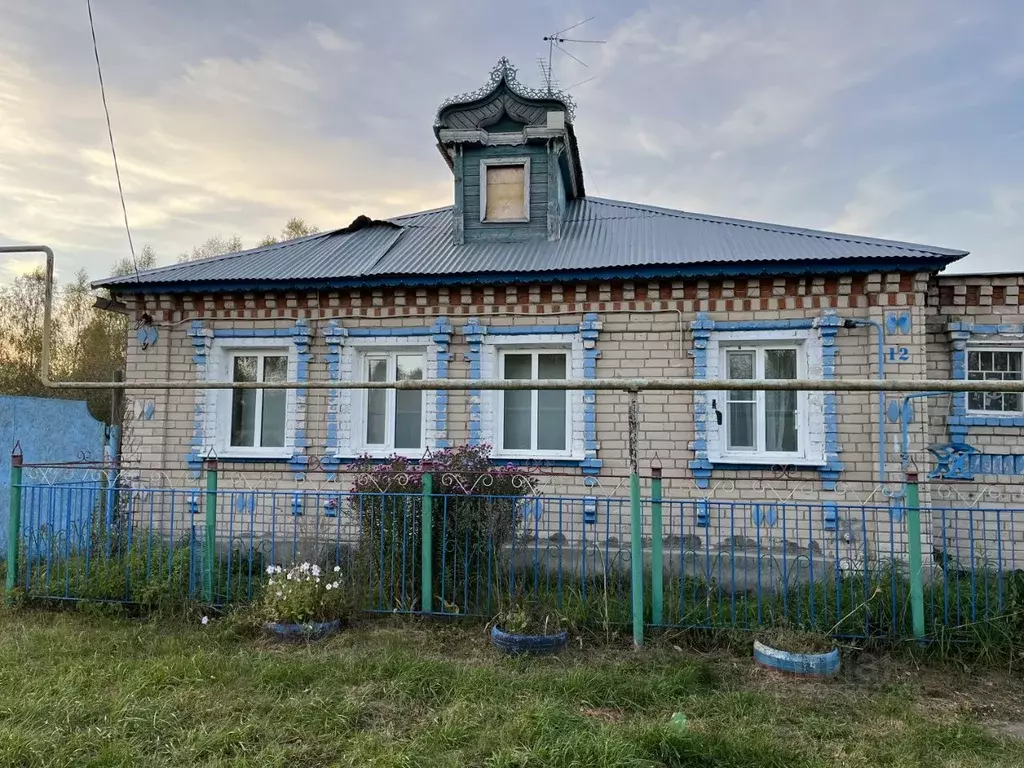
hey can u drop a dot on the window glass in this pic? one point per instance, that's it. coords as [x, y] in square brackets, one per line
[995, 365]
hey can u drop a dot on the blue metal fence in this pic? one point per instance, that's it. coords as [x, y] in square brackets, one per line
[838, 569]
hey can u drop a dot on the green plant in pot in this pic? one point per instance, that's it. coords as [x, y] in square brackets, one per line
[304, 600]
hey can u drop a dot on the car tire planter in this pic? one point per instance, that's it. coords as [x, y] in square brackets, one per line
[804, 664]
[515, 645]
[309, 631]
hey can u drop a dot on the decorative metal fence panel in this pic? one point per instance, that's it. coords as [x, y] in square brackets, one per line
[840, 569]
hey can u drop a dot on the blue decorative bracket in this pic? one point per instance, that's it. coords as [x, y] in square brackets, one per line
[953, 461]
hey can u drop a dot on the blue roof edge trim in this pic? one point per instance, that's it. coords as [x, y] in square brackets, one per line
[749, 269]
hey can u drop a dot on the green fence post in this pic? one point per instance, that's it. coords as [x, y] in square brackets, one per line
[916, 566]
[636, 527]
[210, 542]
[657, 575]
[14, 520]
[427, 545]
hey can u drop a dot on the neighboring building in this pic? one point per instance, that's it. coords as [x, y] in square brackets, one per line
[525, 276]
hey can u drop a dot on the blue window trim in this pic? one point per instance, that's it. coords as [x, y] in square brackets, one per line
[961, 420]
[828, 325]
[202, 338]
[334, 334]
[588, 331]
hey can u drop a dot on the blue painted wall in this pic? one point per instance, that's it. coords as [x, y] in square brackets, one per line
[48, 430]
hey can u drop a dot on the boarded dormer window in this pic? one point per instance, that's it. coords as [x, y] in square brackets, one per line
[505, 189]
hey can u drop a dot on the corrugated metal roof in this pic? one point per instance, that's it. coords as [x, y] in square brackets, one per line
[597, 235]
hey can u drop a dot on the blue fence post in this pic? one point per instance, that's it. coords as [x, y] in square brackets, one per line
[14, 520]
[916, 565]
[210, 538]
[427, 545]
[657, 573]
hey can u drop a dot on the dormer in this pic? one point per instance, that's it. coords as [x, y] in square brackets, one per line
[513, 153]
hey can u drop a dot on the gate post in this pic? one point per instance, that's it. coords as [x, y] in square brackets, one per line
[427, 544]
[916, 566]
[14, 520]
[210, 540]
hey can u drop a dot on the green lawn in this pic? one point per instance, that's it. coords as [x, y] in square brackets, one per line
[87, 690]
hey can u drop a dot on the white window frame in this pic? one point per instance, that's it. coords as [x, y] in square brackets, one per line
[351, 417]
[485, 163]
[388, 446]
[499, 429]
[810, 405]
[991, 347]
[218, 418]
[497, 344]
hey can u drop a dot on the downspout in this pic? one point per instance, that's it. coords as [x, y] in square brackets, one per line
[856, 322]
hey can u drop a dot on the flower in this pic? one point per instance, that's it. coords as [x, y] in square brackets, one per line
[329, 586]
[337, 568]
[270, 581]
[277, 569]
[315, 570]
[280, 593]
[206, 620]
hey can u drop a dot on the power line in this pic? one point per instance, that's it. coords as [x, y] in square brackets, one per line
[110, 133]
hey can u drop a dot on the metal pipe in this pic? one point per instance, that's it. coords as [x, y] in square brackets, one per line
[615, 383]
[905, 424]
[44, 356]
[880, 334]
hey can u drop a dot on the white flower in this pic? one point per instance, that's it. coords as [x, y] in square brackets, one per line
[304, 567]
[270, 581]
[206, 620]
[289, 576]
[277, 569]
[270, 570]
[337, 569]
[335, 585]
[315, 570]
[280, 593]
[329, 585]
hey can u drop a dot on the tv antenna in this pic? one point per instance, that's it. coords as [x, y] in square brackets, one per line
[556, 41]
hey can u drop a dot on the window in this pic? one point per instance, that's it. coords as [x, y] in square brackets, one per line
[393, 418]
[534, 421]
[505, 190]
[995, 364]
[258, 416]
[759, 421]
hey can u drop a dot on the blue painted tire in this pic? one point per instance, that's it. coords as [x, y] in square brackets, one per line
[808, 664]
[515, 645]
[301, 631]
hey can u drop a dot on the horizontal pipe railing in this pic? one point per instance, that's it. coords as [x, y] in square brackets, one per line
[613, 383]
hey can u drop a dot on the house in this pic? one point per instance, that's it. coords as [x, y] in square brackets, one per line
[525, 276]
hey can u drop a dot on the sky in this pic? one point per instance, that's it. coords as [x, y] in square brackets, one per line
[900, 120]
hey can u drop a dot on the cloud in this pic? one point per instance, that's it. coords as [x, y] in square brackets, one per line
[878, 117]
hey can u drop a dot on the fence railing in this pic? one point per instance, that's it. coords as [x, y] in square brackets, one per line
[841, 569]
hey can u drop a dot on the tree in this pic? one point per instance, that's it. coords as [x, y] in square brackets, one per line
[214, 246]
[295, 227]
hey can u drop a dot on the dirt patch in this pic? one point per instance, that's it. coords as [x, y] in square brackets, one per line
[611, 716]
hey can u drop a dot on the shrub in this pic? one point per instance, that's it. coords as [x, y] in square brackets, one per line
[476, 508]
[303, 593]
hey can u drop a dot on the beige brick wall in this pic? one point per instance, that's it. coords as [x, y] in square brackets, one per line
[640, 336]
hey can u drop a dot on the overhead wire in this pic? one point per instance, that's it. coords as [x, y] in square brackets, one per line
[110, 134]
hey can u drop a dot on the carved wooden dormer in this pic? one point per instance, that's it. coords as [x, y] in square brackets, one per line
[513, 153]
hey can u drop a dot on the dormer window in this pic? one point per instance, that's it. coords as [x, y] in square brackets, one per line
[505, 189]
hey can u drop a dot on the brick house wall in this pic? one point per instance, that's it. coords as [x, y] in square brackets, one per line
[646, 328]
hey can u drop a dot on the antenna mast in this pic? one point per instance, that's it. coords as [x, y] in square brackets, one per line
[556, 41]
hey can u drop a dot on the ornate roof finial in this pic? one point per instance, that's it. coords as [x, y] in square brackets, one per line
[505, 72]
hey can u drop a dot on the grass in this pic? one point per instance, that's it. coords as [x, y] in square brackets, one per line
[85, 689]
